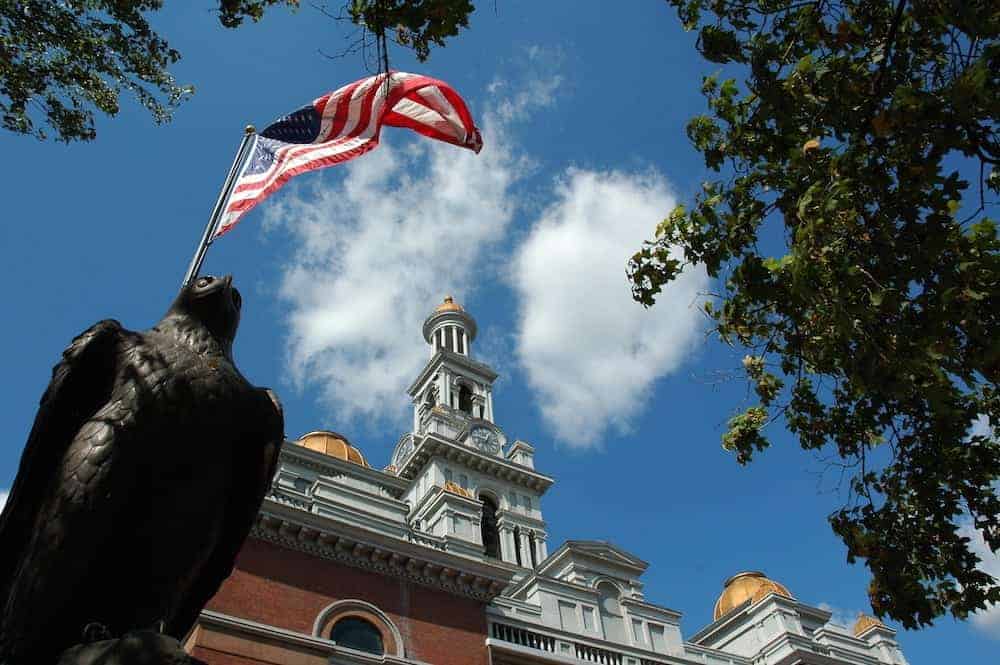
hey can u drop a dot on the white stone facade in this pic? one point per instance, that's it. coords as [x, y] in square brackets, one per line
[459, 507]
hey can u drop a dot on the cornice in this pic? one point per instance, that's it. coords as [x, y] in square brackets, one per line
[506, 516]
[438, 497]
[646, 605]
[444, 356]
[804, 650]
[422, 559]
[433, 445]
[333, 467]
[234, 624]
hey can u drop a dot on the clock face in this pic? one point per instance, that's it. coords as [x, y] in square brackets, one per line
[485, 439]
[403, 452]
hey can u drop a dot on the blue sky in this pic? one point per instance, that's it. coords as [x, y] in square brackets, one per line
[583, 107]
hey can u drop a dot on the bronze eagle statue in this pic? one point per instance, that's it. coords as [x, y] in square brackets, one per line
[148, 460]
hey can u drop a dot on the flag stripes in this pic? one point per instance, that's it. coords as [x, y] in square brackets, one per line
[345, 124]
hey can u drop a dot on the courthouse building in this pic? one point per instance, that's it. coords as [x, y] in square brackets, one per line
[442, 557]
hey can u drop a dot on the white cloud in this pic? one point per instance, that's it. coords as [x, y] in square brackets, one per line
[988, 620]
[535, 84]
[980, 427]
[517, 104]
[590, 352]
[841, 617]
[375, 252]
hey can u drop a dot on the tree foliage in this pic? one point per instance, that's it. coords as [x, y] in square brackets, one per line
[872, 330]
[414, 24]
[62, 61]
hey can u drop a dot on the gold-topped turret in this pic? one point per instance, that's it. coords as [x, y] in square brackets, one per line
[449, 305]
[332, 444]
[749, 585]
[866, 623]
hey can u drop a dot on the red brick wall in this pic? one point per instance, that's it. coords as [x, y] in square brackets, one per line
[218, 658]
[289, 589]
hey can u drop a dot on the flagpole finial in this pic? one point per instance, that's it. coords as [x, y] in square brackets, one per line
[250, 129]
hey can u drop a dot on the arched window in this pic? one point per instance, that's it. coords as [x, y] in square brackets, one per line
[356, 624]
[356, 633]
[491, 535]
[517, 544]
[465, 399]
[611, 612]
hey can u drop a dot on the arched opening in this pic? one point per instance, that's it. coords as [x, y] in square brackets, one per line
[531, 549]
[354, 632]
[465, 399]
[611, 612]
[490, 532]
[430, 400]
[517, 545]
[350, 622]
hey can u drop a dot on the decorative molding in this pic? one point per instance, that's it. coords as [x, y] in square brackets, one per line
[358, 607]
[332, 467]
[455, 488]
[287, 639]
[453, 576]
[432, 445]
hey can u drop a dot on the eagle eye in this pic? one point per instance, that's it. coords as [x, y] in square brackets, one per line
[203, 282]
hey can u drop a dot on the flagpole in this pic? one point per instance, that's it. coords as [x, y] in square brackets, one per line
[220, 204]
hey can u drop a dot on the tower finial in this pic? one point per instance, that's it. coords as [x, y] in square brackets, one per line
[450, 327]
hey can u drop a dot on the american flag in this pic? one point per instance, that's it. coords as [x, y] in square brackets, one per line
[345, 124]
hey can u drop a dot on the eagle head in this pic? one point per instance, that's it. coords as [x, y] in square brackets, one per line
[211, 304]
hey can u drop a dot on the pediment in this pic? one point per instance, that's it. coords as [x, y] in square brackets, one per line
[605, 550]
[575, 557]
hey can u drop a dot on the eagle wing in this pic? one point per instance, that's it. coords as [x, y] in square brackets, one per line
[260, 445]
[81, 383]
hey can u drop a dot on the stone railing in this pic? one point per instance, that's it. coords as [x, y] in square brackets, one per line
[600, 652]
[597, 655]
[573, 648]
[523, 637]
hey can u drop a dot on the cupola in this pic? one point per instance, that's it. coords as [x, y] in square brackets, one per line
[332, 444]
[450, 327]
[866, 623]
[749, 585]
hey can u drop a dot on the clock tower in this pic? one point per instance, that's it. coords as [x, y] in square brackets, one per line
[470, 484]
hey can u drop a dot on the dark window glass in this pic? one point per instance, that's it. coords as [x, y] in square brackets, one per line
[356, 633]
[465, 399]
[491, 535]
[531, 548]
[517, 544]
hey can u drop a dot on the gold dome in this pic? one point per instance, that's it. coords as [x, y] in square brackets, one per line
[449, 305]
[865, 623]
[749, 585]
[332, 444]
